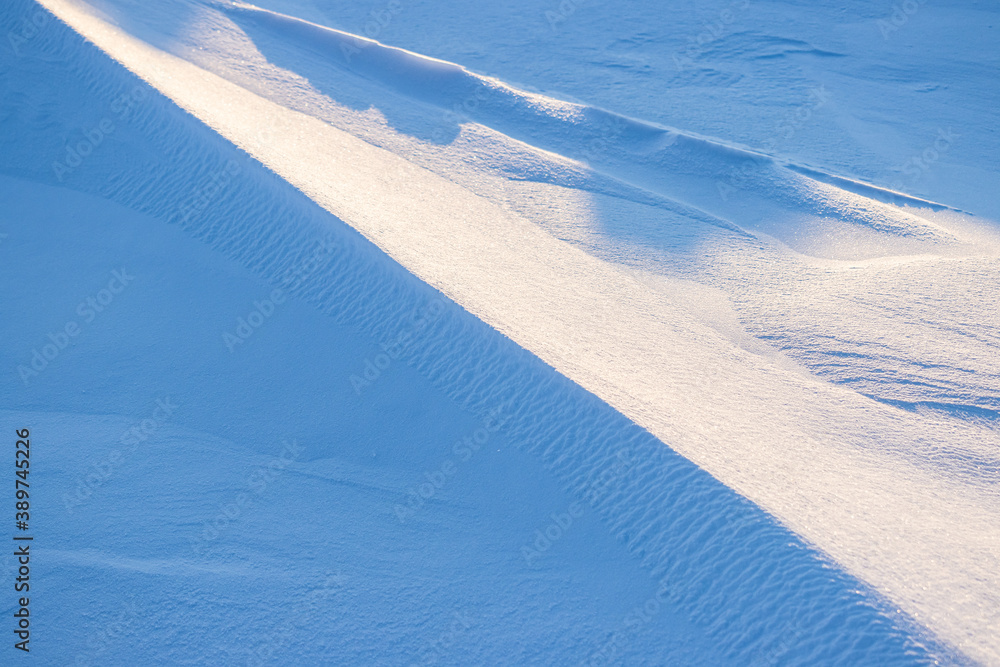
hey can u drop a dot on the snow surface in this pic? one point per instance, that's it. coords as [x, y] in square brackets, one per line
[634, 315]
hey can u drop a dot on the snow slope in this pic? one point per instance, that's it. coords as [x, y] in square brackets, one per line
[856, 88]
[695, 310]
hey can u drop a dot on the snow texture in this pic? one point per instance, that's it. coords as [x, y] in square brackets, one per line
[418, 365]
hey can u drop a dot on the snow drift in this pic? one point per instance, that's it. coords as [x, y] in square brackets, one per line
[527, 292]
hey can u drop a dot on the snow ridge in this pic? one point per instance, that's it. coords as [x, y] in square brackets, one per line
[688, 168]
[749, 584]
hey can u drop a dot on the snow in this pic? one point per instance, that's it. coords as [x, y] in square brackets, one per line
[747, 381]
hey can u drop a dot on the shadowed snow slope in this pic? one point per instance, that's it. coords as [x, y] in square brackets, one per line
[566, 311]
